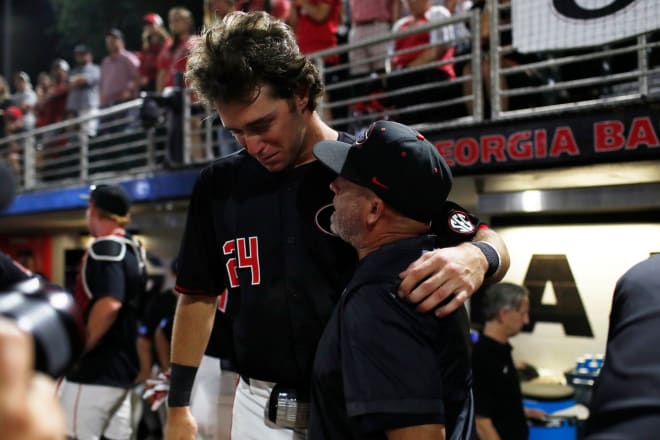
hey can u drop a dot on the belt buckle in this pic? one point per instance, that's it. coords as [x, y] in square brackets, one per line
[287, 408]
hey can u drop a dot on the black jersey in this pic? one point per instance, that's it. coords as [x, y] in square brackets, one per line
[265, 237]
[382, 365]
[111, 267]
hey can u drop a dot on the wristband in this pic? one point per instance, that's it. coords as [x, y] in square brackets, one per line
[492, 257]
[181, 383]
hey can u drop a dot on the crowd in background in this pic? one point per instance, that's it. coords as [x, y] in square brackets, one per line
[81, 87]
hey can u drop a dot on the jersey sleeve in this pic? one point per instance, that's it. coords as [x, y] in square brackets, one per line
[200, 267]
[454, 225]
[105, 278]
[383, 344]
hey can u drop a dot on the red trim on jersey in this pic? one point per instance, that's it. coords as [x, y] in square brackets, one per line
[185, 291]
[483, 226]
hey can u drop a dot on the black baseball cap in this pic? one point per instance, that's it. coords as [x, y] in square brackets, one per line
[397, 163]
[111, 198]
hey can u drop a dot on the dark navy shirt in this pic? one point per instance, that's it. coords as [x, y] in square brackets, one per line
[381, 364]
[497, 392]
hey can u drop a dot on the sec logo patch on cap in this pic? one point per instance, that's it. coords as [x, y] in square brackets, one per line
[460, 223]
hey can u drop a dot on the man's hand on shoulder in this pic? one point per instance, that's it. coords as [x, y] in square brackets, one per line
[444, 277]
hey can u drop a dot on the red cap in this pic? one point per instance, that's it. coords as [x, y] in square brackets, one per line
[153, 19]
[13, 112]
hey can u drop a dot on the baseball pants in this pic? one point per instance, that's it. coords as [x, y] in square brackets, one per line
[93, 411]
[212, 399]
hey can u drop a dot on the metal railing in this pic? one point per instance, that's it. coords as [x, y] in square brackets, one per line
[69, 152]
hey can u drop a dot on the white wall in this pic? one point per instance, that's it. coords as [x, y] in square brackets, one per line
[598, 255]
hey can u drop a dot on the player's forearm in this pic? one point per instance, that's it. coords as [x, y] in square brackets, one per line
[485, 429]
[492, 237]
[145, 358]
[101, 317]
[163, 350]
[421, 432]
[193, 322]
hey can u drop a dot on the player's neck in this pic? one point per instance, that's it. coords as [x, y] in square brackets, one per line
[496, 332]
[317, 131]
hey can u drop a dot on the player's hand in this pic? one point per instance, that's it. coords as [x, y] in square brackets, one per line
[156, 390]
[180, 424]
[449, 274]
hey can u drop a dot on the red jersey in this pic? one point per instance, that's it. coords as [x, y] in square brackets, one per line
[313, 36]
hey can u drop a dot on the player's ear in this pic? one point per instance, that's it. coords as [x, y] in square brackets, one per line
[376, 210]
[302, 97]
[301, 102]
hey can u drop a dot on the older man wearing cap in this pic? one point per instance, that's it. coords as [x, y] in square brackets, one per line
[96, 394]
[383, 370]
[83, 98]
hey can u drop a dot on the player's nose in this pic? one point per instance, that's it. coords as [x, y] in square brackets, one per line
[254, 146]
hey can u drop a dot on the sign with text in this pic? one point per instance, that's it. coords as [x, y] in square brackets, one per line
[563, 24]
[623, 134]
[571, 271]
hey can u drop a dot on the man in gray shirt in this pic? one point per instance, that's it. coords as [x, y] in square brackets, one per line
[83, 99]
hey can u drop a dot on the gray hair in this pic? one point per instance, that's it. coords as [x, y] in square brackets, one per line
[502, 296]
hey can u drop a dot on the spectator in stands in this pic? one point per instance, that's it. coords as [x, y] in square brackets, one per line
[154, 39]
[44, 83]
[52, 106]
[172, 63]
[370, 18]
[119, 80]
[277, 8]
[172, 60]
[13, 118]
[216, 9]
[25, 98]
[83, 99]
[461, 31]
[315, 24]
[510, 59]
[5, 101]
[436, 45]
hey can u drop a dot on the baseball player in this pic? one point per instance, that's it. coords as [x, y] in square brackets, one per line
[96, 394]
[258, 226]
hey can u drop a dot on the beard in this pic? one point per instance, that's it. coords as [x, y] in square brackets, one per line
[346, 225]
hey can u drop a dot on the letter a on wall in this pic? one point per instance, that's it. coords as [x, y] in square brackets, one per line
[568, 310]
